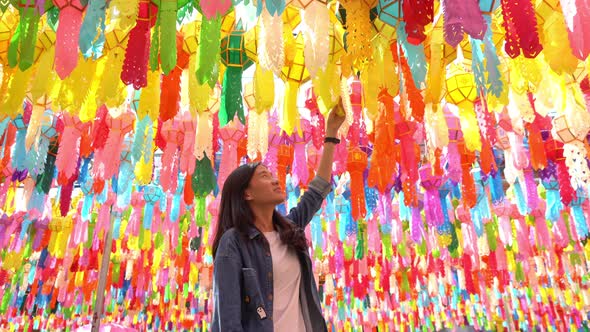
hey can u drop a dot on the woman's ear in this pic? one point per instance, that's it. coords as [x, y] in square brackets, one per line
[248, 195]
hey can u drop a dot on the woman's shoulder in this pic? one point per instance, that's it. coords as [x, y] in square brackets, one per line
[229, 242]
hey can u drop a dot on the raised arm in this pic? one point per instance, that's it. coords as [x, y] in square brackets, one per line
[320, 186]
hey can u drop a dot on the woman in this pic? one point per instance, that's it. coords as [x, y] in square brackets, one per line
[263, 278]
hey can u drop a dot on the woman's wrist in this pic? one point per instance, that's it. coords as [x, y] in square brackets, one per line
[330, 133]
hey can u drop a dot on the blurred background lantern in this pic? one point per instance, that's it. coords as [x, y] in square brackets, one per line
[564, 131]
[336, 40]
[8, 23]
[191, 32]
[383, 29]
[294, 74]
[251, 40]
[111, 89]
[228, 23]
[257, 138]
[292, 16]
[390, 11]
[462, 92]
[545, 8]
[233, 56]
[45, 39]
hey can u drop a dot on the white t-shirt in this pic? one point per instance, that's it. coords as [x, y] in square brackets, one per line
[286, 270]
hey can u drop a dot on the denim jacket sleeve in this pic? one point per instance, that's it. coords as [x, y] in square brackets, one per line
[227, 271]
[310, 202]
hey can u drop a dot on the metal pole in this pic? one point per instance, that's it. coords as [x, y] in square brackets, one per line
[102, 281]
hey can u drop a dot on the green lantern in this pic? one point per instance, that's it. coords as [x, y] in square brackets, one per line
[24, 38]
[164, 37]
[234, 57]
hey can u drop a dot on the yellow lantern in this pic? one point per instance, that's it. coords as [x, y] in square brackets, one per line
[383, 29]
[228, 23]
[8, 22]
[191, 33]
[291, 16]
[295, 70]
[462, 91]
[359, 30]
[251, 41]
[112, 90]
[45, 77]
[545, 8]
[294, 74]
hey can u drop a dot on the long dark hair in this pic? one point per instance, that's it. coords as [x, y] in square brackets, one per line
[234, 212]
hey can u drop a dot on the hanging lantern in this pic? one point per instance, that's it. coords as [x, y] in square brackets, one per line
[251, 41]
[291, 16]
[359, 32]
[390, 11]
[462, 91]
[8, 22]
[571, 128]
[191, 33]
[111, 89]
[294, 74]
[45, 40]
[562, 131]
[383, 29]
[166, 30]
[228, 23]
[204, 133]
[233, 56]
[545, 8]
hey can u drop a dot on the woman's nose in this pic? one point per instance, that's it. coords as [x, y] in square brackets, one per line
[275, 180]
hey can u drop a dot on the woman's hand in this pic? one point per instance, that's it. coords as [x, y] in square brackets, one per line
[335, 120]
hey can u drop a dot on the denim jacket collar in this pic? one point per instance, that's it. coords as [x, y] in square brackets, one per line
[253, 232]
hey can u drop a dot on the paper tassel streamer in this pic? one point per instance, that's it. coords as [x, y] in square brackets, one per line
[208, 53]
[92, 31]
[68, 33]
[70, 146]
[137, 52]
[271, 52]
[460, 17]
[316, 20]
[520, 24]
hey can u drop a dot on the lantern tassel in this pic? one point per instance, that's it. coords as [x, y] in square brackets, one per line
[231, 97]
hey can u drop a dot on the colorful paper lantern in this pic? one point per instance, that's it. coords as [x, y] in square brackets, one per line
[294, 74]
[390, 11]
[191, 33]
[233, 56]
[292, 16]
[8, 23]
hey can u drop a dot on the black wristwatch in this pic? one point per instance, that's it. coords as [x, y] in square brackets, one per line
[332, 140]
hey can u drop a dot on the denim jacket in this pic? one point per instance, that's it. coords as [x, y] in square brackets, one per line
[243, 280]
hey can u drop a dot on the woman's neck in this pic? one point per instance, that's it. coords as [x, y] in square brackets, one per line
[263, 218]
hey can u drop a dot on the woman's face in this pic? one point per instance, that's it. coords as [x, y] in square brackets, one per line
[264, 188]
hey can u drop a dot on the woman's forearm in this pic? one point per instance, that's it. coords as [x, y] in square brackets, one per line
[325, 167]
